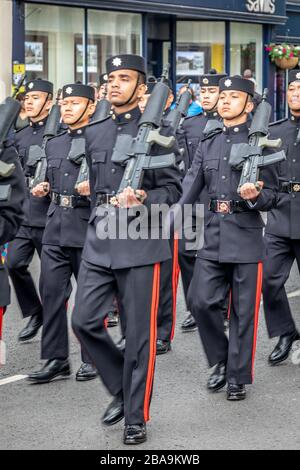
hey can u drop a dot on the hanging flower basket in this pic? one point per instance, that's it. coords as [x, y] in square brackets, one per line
[287, 64]
[285, 56]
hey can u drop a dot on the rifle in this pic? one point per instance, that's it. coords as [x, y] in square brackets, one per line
[19, 85]
[135, 152]
[103, 108]
[37, 155]
[177, 115]
[9, 111]
[249, 157]
[77, 155]
[102, 111]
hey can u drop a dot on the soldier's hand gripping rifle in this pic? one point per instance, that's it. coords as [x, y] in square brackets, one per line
[37, 155]
[135, 152]
[177, 115]
[249, 157]
[9, 111]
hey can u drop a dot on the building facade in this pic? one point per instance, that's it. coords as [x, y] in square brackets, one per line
[67, 40]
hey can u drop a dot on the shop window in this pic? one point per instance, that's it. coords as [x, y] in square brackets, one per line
[54, 47]
[51, 35]
[111, 33]
[200, 47]
[246, 50]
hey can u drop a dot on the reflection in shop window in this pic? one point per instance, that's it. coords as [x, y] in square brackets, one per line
[111, 33]
[54, 47]
[51, 33]
[200, 47]
[246, 51]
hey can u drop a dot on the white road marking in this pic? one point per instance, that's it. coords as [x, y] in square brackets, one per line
[14, 378]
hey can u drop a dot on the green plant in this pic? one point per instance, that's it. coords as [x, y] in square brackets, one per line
[283, 51]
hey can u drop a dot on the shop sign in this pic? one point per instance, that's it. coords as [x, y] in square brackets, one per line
[261, 6]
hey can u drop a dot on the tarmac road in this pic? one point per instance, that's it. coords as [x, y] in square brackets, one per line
[66, 414]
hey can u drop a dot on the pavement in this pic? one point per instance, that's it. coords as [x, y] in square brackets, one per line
[67, 415]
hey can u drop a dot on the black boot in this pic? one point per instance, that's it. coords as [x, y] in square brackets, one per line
[115, 411]
[236, 392]
[135, 434]
[52, 369]
[32, 328]
[282, 349]
[86, 372]
[162, 347]
[188, 324]
[217, 379]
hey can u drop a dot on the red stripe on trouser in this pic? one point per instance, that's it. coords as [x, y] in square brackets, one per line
[229, 304]
[152, 341]
[256, 312]
[2, 310]
[175, 278]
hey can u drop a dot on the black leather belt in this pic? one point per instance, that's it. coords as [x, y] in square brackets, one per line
[227, 207]
[290, 187]
[104, 198]
[72, 201]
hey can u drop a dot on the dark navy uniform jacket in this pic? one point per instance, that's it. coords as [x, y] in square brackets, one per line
[11, 214]
[35, 209]
[193, 128]
[284, 220]
[162, 187]
[65, 226]
[237, 237]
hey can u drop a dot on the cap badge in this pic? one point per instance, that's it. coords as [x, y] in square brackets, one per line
[117, 61]
[31, 85]
[105, 77]
[205, 81]
[228, 83]
[69, 90]
[298, 75]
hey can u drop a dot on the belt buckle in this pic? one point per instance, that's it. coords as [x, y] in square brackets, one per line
[295, 187]
[223, 207]
[107, 199]
[66, 201]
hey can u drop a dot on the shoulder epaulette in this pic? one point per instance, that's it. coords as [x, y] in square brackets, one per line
[22, 129]
[194, 115]
[99, 121]
[211, 135]
[278, 122]
[58, 135]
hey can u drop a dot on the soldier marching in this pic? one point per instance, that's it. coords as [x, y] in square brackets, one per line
[84, 173]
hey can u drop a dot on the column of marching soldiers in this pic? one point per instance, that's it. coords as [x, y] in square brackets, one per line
[69, 154]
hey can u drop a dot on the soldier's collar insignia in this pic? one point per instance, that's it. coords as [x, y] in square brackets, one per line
[117, 62]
